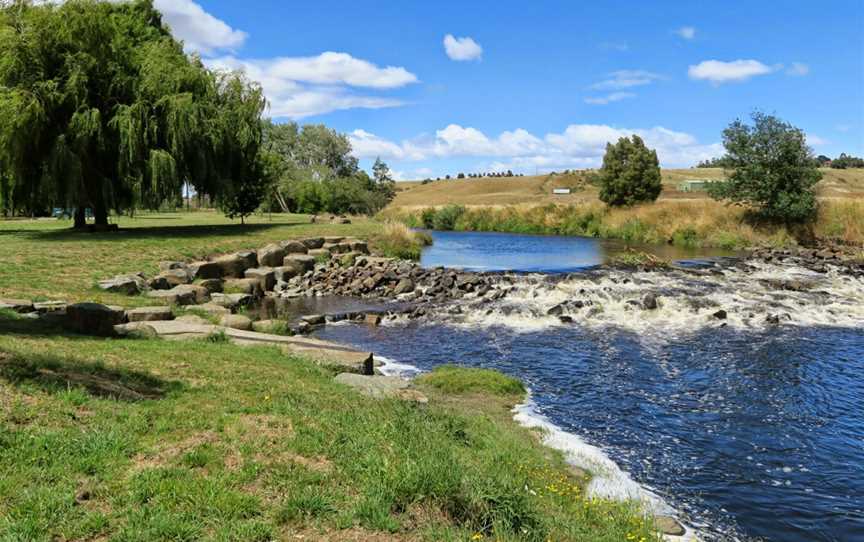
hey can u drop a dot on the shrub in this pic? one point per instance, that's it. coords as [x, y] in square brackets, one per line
[773, 170]
[398, 241]
[427, 218]
[630, 173]
[446, 217]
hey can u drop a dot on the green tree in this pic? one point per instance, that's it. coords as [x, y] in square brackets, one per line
[630, 173]
[771, 170]
[384, 183]
[101, 108]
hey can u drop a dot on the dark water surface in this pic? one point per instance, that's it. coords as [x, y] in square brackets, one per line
[750, 433]
[484, 251]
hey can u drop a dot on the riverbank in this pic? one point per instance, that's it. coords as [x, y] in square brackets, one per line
[145, 439]
[685, 223]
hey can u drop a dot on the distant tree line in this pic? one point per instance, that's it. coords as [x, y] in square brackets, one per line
[844, 161]
[491, 174]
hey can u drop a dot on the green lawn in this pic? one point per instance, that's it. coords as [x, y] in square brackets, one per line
[140, 440]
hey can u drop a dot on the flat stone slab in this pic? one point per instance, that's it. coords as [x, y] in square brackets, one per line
[16, 305]
[149, 314]
[323, 352]
[381, 387]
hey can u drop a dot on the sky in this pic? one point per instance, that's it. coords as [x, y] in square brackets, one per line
[442, 87]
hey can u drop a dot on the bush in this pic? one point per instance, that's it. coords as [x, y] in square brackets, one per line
[773, 170]
[398, 241]
[630, 173]
[446, 217]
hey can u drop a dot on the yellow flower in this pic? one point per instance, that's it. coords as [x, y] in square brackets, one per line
[477, 536]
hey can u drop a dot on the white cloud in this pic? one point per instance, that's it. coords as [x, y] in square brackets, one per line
[609, 98]
[686, 32]
[462, 49]
[579, 145]
[816, 141]
[718, 71]
[626, 79]
[298, 87]
[798, 69]
[199, 30]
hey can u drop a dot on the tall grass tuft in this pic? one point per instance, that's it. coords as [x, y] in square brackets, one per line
[397, 240]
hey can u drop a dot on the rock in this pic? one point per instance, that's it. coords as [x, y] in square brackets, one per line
[294, 247]
[381, 387]
[234, 265]
[649, 302]
[236, 321]
[404, 286]
[124, 284]
[233, 301]
[193, 319]
[314, 319]
[149, 314]
[340, 220]
[357, 245]
[557, 310]
[348, 259]
[212, 285]
[720, 315]
[669, 525]
[267, 326]
[271, 255]
[285, 273]
[205, 270]
[300, 263]
[243, 286]
[169, 279]
[186, 294]
[94, 318]
[45, 307]
[16, 305]
[772, 319]
[211, 309]
[565, 319]
[265, 276]
[319, 253]
[372, 319]
[332, 240]
[169, 266]
[313, 242]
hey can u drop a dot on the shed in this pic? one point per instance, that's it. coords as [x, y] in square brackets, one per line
[560, 191]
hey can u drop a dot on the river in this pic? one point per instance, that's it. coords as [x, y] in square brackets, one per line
[749, 429]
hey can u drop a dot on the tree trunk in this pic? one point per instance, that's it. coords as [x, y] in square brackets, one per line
[100, 211]
[80, 217]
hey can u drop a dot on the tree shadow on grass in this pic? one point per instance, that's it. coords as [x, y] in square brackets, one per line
[55, 374]
[156, 232]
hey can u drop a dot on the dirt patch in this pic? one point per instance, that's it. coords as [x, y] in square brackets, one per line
[167, 453]
[261, 427]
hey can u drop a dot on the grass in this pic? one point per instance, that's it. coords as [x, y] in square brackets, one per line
[144, 439]
[687, 223]
[398, 241]
[44, 259]
[458, 380]
[156, 440]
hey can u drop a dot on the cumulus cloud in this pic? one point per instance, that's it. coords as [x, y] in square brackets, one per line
[625, 79]
[579, 145]
[462, 49]
[199, 30]
[686, 32]
[298, 87]
[718, 71]
[798, 69]
[609, 98]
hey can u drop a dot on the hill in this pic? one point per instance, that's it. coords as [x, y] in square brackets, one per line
[537, 190]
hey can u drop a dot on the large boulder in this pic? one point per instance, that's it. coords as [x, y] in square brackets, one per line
[210, 309]
[124, 284]
[265, 276]
[271, 255]
[405, 286]
[149, 314]
[236, 321]
[313, 242]
[205, 270]
[357, 245]
[169, 279]
[185, 294]
[300, 263]
[234, 265]
[244, 286]
[294, 247]
[212, 285]
[94, 318]
[319, 253]
[170, 265]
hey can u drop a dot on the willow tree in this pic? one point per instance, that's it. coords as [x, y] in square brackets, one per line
[101, 108]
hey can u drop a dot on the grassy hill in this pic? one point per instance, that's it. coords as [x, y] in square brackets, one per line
[537, 190]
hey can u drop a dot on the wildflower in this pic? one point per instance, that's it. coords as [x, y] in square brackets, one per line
[477, 536]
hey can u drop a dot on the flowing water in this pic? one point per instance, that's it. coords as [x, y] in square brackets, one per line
[749, 429]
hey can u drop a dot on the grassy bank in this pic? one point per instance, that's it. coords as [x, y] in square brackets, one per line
[156, 440]
[689, 223]
[134, 440]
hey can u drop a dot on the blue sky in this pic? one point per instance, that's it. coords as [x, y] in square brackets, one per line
[540, 86]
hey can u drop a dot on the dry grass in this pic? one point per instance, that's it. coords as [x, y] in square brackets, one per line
[537, 190]
[397, 240]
